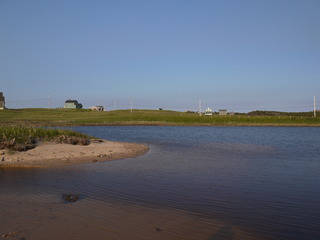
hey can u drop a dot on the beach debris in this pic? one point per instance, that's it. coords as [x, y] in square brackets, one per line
[13, 145]
[9, 235]
[72, 140]
[70, 197]
[101, 155]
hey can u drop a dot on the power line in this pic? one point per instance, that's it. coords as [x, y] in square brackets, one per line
[48, 101]
[314, 106]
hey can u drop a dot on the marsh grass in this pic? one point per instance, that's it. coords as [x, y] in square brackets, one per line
[23, 137]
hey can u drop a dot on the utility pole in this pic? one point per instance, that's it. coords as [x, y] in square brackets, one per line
[131, 105]
[200, 107]
[114, 104]
[48, 101]
[314, 107]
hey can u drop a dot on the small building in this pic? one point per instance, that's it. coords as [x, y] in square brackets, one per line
[208, 112]
[72, 104]
[97, 108]
[2, 101]
[222, 112]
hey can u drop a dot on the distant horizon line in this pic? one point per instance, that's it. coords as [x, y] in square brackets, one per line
[164, 109]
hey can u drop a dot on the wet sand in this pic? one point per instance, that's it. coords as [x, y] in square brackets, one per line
[53, 154]
[46, 216]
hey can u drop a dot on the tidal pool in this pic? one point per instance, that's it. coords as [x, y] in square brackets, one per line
[194, 183]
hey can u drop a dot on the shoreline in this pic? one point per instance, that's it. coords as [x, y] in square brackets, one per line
[164, 124]
[55, 155]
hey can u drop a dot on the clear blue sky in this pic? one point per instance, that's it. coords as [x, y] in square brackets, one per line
[240, 55]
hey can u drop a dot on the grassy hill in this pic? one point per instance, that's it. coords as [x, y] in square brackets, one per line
[73, 117]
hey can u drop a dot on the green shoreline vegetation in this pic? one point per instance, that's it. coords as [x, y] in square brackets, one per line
[22, 138]
[23, 129]
[84, 117]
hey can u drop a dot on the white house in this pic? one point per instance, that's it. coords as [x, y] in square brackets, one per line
[97, 108]
[72, 104]
[208, 112]
[222, 112]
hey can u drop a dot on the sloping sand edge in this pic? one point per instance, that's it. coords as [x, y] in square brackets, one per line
[53, 154]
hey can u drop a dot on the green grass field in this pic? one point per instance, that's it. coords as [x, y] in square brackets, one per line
[83, 117]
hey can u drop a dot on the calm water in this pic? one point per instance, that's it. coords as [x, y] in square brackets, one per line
[264, 181]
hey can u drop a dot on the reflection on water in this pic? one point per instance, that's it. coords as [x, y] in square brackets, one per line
[194, 183]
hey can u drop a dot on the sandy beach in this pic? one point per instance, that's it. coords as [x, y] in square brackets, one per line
[53, 154]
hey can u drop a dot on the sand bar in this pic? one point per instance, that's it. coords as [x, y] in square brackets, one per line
[53, 154]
